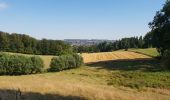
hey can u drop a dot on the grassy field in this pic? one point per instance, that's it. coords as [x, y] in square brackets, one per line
[150, 51]
[106, 80]
[116, 55]
[123, 78]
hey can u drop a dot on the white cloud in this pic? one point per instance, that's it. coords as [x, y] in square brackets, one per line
[3, 6]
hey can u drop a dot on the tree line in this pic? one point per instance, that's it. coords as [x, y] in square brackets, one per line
[124, 43]
[21, 43]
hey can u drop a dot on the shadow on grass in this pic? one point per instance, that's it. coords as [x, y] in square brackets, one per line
[17, 95]
[151, 65]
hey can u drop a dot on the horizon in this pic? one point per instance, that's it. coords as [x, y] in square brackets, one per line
[73, 19]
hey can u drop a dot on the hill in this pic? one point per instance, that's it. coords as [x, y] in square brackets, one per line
[120, 75]
[97, 57]
[101, 81]
[116, 55]
[149, 51]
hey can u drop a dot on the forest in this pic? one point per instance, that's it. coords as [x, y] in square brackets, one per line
[124, 43]
[21, 43]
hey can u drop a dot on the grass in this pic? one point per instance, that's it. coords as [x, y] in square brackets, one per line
[136, 74]
[140, 80]
[150, 51]
[111, 80]
[120, 79]
[116, 55]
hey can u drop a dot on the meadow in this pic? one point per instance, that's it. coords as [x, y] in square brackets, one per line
[148, 51]
[131, 76]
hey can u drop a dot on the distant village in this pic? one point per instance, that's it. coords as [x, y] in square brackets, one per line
[87, 42]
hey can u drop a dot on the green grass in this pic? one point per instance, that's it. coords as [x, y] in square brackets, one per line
[149, 51]
[136, 74]
[141, 79]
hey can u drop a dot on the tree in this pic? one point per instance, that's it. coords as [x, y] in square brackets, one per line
[161, 28]
[25, 44]
[140, 42]
[16, 43]
[4, 41]
[148, 40]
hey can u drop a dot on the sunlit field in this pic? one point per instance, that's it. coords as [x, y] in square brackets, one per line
[149, 51]
[128, 76]
[116, 55]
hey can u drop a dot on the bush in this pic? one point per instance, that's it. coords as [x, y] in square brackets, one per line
[19, 65]
[79, 59]
[37, 64]
[65, 62]
[166, 60]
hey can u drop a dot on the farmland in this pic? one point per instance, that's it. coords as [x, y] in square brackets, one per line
[126, 76]
[117, 55]
[88, 82]
[85, 50]
[97, 57]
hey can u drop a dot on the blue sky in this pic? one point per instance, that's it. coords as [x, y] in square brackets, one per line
[73, 19]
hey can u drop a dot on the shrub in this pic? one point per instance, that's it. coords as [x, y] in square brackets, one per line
[65, 62]
[79, 59]
[37, 64]
[166, 60]
[19, 65]
[57, 64]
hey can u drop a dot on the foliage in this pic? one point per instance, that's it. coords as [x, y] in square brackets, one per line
[166, 60]
[19, 65]
[161, 28]
[65, 62]
[82, 49]
[148, 40]
[19, 43]
[37, 64]
[124, 43]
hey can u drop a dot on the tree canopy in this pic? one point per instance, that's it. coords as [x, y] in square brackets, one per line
[161, 28]
[21, 43]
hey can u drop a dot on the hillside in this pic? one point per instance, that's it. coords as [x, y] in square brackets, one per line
[116, 55]
[149, 51]
[94, 82]
[98, 57]
[112, 75]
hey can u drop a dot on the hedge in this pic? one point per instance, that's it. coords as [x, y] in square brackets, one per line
[19, 64]
[65, 62]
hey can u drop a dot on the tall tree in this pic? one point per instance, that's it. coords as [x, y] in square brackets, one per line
[161, 28]
[4, 41]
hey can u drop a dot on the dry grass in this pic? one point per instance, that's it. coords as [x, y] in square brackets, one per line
[117, 55]
[86, 82]
[47, 60]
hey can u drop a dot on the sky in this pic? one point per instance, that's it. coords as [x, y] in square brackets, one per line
[78, 19]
